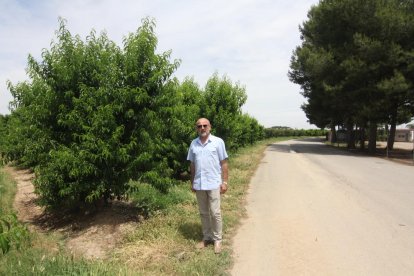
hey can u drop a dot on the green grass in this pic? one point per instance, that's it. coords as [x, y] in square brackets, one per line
[7, 193]
[163, 244]
[38, 261]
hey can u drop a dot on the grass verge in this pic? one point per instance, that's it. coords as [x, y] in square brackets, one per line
[7, 193]
[164, 244]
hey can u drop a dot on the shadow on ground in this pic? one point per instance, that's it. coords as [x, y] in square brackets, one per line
[109, 215]
[401, 153]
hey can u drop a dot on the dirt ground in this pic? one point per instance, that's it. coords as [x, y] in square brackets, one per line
[401, 153]
[88, 235]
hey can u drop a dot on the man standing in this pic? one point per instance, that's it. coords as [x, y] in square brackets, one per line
[209, 175]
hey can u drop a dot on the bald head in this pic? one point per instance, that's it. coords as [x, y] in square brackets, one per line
[203, 128]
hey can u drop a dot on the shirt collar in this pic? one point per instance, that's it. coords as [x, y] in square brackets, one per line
[207, 141]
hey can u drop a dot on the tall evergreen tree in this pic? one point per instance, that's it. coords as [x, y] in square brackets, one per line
[367, 46]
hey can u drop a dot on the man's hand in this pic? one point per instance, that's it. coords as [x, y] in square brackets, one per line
[223, 187]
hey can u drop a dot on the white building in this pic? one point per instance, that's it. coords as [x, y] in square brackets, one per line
[404, 135]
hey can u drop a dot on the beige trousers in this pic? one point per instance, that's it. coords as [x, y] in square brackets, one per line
[210, 213]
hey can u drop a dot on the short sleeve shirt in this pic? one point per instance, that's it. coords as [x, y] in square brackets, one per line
[206, 159]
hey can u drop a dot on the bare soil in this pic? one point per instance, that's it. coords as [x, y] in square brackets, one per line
[91, 235]
[401, 153]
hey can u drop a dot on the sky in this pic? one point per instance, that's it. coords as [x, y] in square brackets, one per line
[248, 41]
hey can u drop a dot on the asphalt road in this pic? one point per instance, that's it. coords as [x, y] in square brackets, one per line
[316, 210]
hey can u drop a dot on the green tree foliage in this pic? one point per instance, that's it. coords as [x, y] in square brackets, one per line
[94, 116]
[179, 116]
[289, 132]
[3, 133]
[13, 234]
[355, 63]
[222, 103]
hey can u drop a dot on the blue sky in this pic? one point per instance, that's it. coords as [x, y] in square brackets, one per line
[249, 41]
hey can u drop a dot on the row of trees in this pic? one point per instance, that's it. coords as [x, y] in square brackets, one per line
[287, 132]
[94, 116]
[355, 66]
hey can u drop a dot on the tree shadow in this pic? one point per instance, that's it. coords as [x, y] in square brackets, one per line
[309, 148]
[318, 146]
[191, 231]
[111, 215]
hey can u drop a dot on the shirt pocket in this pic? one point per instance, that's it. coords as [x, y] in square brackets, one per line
[212, 152]
[198, 154]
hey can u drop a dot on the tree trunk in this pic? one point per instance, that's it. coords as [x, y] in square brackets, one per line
[391, 135]
[372, 139]
[333, 133]
[362, 138]
[350, 135]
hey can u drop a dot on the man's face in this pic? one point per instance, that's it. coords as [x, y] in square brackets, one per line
[203, 128]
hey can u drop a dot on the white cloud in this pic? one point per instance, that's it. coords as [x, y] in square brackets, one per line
[249, 41]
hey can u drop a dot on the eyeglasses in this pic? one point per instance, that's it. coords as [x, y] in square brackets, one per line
[200, 126]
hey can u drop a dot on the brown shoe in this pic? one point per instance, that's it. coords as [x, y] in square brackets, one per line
[217, 247]
[203, 244]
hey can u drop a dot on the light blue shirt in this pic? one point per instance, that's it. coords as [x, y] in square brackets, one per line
[206, 159]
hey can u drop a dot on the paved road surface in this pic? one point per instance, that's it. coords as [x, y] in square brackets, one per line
[315, 210]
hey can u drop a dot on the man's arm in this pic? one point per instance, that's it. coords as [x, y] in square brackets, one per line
[192, 175]
[224, 176]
